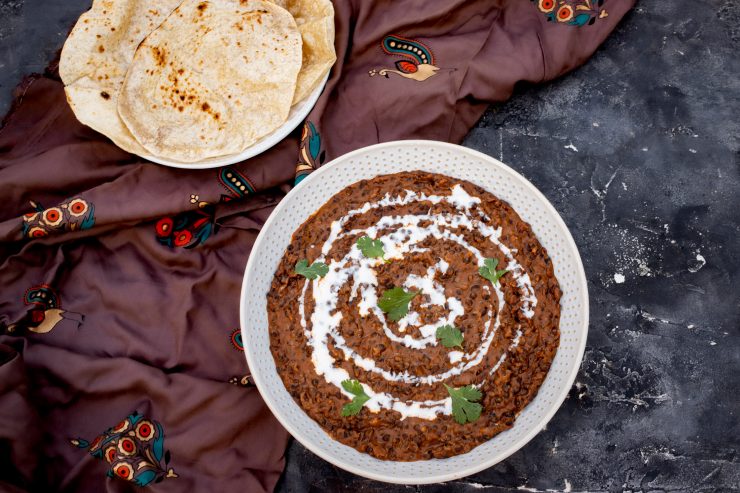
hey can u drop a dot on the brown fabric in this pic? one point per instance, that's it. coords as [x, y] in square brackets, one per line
[111, 315]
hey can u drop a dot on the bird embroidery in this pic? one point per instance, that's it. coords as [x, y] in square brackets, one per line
[417, 63]
[45, 313]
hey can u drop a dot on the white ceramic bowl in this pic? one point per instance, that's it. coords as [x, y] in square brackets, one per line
[457, 162]
[298, 113]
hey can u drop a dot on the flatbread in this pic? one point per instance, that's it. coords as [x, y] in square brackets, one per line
[97, 55]
[212, 79]
[315, 19]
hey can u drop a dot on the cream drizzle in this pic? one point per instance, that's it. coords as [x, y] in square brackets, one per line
[360, 271]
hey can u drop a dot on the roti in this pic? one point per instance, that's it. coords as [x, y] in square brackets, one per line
[97, 55]
[315, 19]
[212, 79]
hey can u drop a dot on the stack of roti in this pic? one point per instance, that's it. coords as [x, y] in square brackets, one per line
[191, 80]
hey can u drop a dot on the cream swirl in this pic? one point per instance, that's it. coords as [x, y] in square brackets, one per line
[407, 232]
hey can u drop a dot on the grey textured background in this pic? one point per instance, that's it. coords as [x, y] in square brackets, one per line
[638, 151]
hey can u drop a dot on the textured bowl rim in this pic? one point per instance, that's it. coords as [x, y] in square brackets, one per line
[493, 459]
[297, 114]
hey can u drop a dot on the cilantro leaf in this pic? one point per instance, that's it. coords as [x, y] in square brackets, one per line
[465, 409]
[450, 336]
[395, 302]
[355, 388]
[370, 248]
[317, 269]
[489, 270]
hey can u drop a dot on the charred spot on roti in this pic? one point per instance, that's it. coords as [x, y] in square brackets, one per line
[104, 95]
[160, 56]
[207, 109]
[101, 48]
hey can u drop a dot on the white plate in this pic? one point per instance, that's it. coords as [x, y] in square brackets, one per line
[298, 113]
[457, 162]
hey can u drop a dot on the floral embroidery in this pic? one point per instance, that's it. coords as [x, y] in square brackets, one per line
[74, 214]
[188, 229]
[191, 228]
[46, 311]
[235, 183]
[238, 343]
[244, 381]
[418, 62]
[236, 339]
[134, 448]
[572, 12]
[311, 155]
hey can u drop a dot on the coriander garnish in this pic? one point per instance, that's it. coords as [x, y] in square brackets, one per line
[317, 269]
[450, 336]
[355, 388]
[489, 270]
[370, 248]
[464, 407]
[395, 302]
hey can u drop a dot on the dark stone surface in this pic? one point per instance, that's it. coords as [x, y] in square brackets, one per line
[638, 151]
